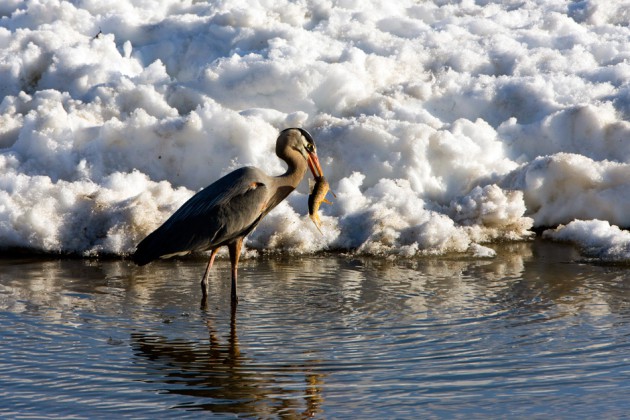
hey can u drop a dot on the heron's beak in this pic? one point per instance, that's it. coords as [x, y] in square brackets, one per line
[314, 166]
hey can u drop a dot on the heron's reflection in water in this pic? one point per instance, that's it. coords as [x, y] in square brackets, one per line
[220, 379]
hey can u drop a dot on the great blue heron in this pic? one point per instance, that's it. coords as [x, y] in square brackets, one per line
[225, 212]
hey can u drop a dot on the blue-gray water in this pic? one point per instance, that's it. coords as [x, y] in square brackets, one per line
[533, 333]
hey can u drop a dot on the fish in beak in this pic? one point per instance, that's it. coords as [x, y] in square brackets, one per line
[318, 196]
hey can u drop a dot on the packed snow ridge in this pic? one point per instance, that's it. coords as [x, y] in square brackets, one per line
[441, 127]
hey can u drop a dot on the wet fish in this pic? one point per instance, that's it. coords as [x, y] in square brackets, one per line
[316, 198]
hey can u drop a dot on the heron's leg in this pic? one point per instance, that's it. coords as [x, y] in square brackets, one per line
[235, 253]
[206, 275]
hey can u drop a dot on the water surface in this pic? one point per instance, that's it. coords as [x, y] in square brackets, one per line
[534, 332]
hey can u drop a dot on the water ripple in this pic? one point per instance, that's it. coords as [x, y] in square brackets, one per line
[320, 337]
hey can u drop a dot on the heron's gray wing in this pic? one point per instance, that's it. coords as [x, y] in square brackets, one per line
[226, 209]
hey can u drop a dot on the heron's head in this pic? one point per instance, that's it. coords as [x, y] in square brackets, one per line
[300, 140]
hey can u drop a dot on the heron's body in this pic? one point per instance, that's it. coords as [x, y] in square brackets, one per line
[226, 211]
[217, 215]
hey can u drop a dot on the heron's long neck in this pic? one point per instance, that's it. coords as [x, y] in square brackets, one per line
[287, 182]
[295, 172]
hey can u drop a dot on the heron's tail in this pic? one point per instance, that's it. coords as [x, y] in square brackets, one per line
[141, 257]
[161, 243]
[146, 251]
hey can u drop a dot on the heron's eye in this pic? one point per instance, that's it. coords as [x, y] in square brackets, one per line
[310, 147]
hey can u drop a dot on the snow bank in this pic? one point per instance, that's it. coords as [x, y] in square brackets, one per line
[440, 126]
[595, 238]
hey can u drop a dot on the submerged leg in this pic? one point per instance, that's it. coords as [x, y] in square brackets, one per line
[235, 253]
[206, 275]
